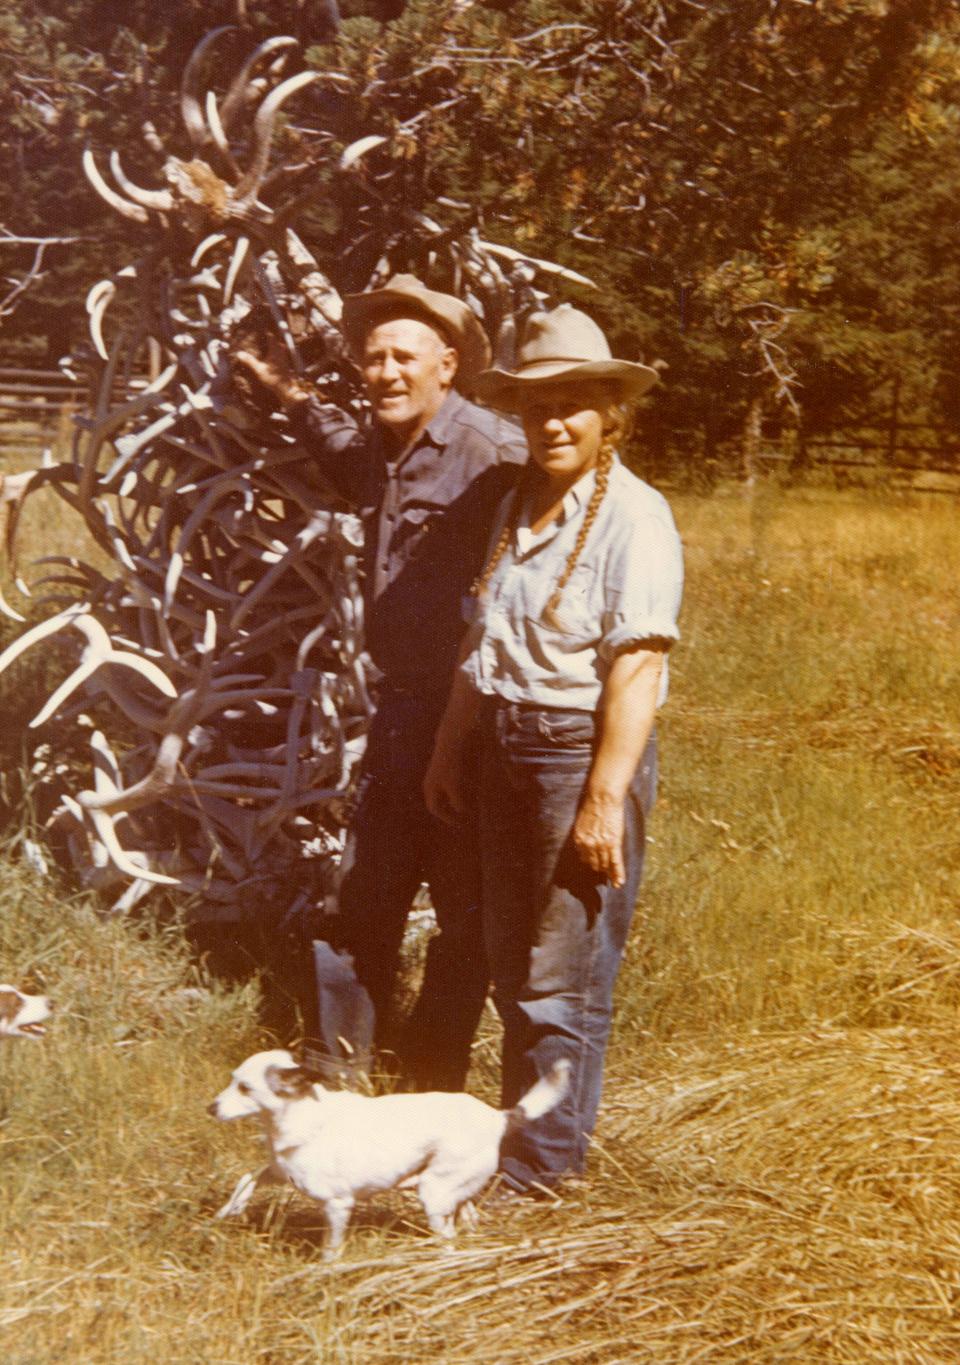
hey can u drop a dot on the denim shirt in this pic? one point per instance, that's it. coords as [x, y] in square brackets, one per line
[624, 591]
[426, 519]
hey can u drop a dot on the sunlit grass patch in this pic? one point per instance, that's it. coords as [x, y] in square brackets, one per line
[820, 602]
[775, 1172]
[811, 780]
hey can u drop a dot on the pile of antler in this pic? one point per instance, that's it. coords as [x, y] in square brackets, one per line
[229, 634]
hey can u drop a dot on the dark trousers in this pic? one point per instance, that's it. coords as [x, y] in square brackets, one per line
[393, 846]
[555, 932]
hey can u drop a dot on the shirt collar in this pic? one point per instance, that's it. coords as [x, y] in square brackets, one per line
[437, 429]
[580, 494]
[437, 432]
[574, 499]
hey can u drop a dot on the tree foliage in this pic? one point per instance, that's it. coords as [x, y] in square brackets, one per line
[761, 190]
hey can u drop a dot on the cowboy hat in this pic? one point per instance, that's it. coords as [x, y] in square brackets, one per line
[559, 347]
[454, 319]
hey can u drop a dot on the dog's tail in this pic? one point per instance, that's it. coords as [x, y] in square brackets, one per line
[541, 1098]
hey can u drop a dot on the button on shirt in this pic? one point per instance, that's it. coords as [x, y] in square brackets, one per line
[625, 590]
[427, 517]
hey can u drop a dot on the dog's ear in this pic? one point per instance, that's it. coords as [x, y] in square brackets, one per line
[10, 1002]
[288, 1082]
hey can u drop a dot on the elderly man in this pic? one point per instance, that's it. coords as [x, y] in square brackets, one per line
[427, 478]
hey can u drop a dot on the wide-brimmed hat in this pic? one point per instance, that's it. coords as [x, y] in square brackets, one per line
[559, 347]
[455, 319]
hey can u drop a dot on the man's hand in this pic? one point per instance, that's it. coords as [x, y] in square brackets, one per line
[442, 786]
[598, 836]
[272, 370]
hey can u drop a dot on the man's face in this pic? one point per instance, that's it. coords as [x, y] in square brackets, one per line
[408, 369]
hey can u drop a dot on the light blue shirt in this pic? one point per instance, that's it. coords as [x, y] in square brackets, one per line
[624, 591]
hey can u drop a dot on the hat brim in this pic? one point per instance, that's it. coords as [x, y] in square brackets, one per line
[459, 324]
[507, 389]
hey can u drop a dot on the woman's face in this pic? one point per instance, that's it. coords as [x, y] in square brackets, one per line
[564, 426]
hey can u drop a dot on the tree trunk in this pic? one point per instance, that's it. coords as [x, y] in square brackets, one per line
[750, 447]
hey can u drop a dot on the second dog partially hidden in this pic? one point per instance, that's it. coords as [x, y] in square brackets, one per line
[22, 1015]
[336, 1146]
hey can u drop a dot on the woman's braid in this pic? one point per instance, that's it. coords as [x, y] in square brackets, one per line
[479, 585]
[604, 465]
[618, 426]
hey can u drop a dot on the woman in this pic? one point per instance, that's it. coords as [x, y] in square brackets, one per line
[561, 671]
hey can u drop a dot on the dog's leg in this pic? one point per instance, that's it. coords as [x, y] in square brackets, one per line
[338, 1213]
[440, 1205]
[468, 1215]
[243, 1191]
[443, 1224]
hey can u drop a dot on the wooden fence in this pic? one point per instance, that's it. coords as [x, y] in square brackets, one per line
[36, 408]
[884, 448]
[907, 455]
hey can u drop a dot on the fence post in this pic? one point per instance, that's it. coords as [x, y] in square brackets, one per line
[894, 428]
[751, 440]
[800, 460]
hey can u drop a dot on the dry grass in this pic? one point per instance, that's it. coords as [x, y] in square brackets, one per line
[776, 1175]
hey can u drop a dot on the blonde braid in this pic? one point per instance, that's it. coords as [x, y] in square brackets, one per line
[618, 427]
[604, 465]
[479, 584]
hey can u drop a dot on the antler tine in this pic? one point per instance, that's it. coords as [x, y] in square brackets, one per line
[158, 780]
[235, 97]
[207, 520]
[135, 212]
[272, 818]
[97, 302]
[100, 650]
[247, 189]
[180, 720]
[149, 199]
[218, 133]
[191, 109]
[103, 824]
[84, 670]
[40, 632]
[233, 270]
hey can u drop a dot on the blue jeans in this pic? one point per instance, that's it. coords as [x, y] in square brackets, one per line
[393, 845]
[554, 931]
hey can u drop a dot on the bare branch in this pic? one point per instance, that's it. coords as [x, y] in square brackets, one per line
[34, 273]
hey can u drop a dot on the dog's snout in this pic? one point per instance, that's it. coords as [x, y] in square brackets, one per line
[212, 1109]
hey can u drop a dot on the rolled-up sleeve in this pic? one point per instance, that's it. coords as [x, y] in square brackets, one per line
[643, 585]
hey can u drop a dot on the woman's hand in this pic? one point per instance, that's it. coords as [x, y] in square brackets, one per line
[628, 707]
[598, 836]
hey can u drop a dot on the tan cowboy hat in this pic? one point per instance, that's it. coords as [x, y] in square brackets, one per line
[451, 316]
[558, 347]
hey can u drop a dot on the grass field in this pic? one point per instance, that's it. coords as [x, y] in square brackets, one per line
[776, 1174]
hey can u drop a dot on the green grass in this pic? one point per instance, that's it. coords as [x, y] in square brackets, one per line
[776, 1169]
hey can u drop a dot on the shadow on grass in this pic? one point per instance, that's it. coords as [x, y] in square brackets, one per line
[287, 1218]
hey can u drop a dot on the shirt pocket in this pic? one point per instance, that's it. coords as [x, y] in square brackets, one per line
[577, 618]
[417, 531]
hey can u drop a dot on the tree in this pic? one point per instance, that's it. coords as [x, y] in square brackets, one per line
[75, 73]
[702, 163]
[693, 160]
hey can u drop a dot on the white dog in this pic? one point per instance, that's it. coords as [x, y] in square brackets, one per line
[22, 1016]
[336, 1146]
